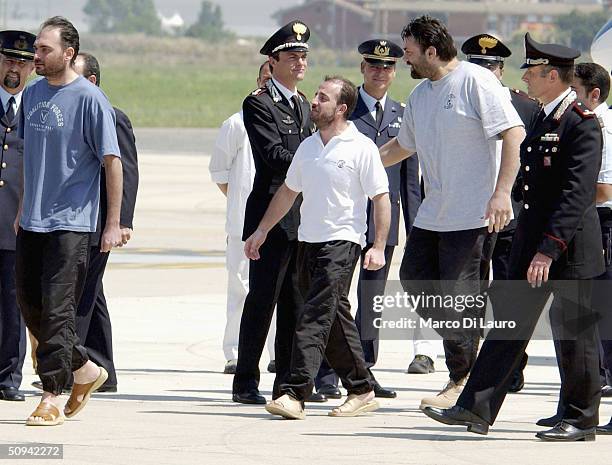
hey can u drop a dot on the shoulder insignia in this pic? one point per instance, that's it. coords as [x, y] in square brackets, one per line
[564, 105]
[523, 94]
[583, 111]
[403, 104]
[259, 91]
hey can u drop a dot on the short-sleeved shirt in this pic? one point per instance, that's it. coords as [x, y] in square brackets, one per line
[604, 114]
[232, 163]
[453, 124]
[336, 180]
[67, 130]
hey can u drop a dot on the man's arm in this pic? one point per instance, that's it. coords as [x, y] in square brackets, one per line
[392, 152]
[499, 208]
[129, 163]
[279, 206]
[111, 235]
[375, 257]
[223, 188]
[604, 192]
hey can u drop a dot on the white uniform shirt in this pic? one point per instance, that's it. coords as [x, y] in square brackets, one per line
[370, 102]
[232, 164]
[605, 174]
[336, 180]
[6, 96]
[453, 124]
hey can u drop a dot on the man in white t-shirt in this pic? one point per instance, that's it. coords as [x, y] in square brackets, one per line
[232, 168]
[453, 119]
[336, 169]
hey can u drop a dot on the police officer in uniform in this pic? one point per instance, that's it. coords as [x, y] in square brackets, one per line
[378, 117]
[489, 52]
[16, 64]
[277, 120]
[557, 237]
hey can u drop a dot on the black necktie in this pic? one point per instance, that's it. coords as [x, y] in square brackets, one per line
[379, 114]
[297, 108]
[10, 112]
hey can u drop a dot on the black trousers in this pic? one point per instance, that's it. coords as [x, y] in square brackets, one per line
[12, 327]
[50, 270]
[272, 281]
[503, 350]
[371, 283]
[326, 328]
[454, 258]
[602, 293]
[93, 325]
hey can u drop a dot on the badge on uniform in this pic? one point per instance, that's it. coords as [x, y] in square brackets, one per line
[547, 161]
[288, 120]
[550, 137]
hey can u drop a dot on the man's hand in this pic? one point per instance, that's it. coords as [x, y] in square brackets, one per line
[253, 243]
[111, 237]
[126, 235]
[374, 259]
[499, 211]
[537, 273]
[16, 224]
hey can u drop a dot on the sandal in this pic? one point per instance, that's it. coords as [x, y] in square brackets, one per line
[354, 407]
[46, 414]
[81, 393]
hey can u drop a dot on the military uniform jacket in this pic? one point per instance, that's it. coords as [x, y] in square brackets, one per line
[274, 133]
[129, 164]
[560, 161]
[11, 178]
[403, 177]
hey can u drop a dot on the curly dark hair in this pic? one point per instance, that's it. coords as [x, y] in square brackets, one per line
[431, 32]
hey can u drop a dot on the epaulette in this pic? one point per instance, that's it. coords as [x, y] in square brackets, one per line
[523, 94]
[402, 104]
[564, 105]
[259, 91]
[583, 111]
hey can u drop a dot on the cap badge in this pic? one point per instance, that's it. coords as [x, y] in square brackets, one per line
[299, 30]
[21, 44]
[383, 49]
[487, 42]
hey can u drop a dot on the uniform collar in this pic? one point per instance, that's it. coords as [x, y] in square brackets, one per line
[283, 90]
[370, 101]
[5, 96]
[548, 108]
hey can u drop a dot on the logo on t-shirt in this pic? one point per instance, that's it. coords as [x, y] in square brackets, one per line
[450, 101]
[49, 117]
[341, 164]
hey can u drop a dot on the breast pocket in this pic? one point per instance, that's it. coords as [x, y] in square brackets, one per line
[290, 136]
[340, 174]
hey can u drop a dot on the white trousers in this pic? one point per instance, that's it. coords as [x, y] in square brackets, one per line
[237, 266]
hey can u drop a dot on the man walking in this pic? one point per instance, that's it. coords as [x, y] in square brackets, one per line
[452, 119]
[277, 120]
[232, 168]
[16, 65]
[68, 127]
[336, 170]
[558, 237]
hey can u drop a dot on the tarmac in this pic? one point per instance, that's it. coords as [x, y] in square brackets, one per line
[166, 294]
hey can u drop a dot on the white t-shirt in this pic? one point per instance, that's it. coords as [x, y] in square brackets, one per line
[605, 174]
[232, 164]
[453, 124]
[336, 181]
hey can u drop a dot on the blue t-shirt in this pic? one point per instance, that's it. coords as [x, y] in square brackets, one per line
[67, 130]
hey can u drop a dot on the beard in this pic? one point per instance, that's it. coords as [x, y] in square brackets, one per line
[321, 119]
[12, 81]
[50, 68]
[419, 70]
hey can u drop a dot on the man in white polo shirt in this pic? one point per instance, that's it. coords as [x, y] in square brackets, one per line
[336, 170]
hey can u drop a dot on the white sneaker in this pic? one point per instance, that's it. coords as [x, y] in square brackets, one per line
[447, 397]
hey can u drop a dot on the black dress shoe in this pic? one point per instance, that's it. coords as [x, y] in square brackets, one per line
[606, 391]
[550, 421]
[330, 391]
[458, 416]
[605, 429]
[272, 366]
[518, 381]
[250, 397]
[316, 397]
[383, 393]
[565, 432]
[11, 394]
[107, 388]
[421, 365]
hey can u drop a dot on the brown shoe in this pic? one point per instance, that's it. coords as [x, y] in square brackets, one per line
[46, 414]
[81, 393]
[447, 397]
[286, 407]
[353, 407]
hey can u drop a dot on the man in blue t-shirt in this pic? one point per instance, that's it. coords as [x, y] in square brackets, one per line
[68, 127]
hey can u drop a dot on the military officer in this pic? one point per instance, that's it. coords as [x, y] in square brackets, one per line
[277, 120]
[489, 52]
[378, 117]
[16, 64]
[558, 238]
